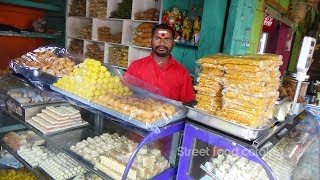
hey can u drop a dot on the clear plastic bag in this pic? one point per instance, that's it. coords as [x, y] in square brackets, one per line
[242, 117]
[148, 111]
[249, 99]
[33, 96]
[44, 65]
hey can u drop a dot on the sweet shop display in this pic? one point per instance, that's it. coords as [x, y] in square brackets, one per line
[123, 10]
[76, 46]
[118, 56]
[104, 34]
[95, 80]
[86, 32]
[111, 152]
[95, 52]
[77, 8]
[97, 8]
[33, 155]
[151, 14]
[247, 86]
[142, 35]
[28, 96]
[12, 174]
[23, 138]
[143, 109]
[55, 119]
[46, 59]
[61, 166]
[229, 166]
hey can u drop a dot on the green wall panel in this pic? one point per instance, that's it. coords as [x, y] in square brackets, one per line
[295, 52]
[256, 27]
[212, 27]
[56, 21]
[239, 26]
[211, 30]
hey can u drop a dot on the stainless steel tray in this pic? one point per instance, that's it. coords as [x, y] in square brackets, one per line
[230, 127]
[146, 126]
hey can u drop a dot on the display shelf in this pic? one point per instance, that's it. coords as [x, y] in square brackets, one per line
[57, 146]
[30, 34]
[36, 171]
[7, 125]
[61, 141]
[75, 24]
[32, 4]
[126, 26]
[114, 25]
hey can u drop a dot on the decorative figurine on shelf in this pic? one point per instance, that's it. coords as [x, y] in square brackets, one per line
[186, 29]
[196, 29]
[174, 20]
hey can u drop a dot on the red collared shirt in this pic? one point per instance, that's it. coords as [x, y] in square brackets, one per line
[173, 79]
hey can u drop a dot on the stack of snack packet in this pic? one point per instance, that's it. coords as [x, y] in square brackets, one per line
[249, 86]
[209, 86]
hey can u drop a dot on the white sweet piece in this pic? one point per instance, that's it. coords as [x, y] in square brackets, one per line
[209, 166]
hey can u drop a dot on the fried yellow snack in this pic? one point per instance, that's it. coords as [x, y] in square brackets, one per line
[257, 78]
[254, 60]
[249, 104]
[255, 91]
[211, 94]
[259, 111]
[248, 99]
[248, 84]
[260, 74]
[212, 71]
[209, 90]
[209, 77]
[244, 67]
[241, 117]
[208, 83]
[201, 97]
[212, 59]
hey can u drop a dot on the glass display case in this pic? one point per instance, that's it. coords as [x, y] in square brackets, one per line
[105, 148]
[207, 153]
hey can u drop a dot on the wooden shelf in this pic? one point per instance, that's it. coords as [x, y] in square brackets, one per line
[32, 4]
[30, 34]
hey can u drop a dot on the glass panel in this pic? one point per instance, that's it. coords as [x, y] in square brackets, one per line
[212, 162]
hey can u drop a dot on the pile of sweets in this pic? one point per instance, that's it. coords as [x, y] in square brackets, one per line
[10, 174]
[229, 166]
[110, 153]
[60, 166]
[22, 138]
[239, 88]
[97, 8]
[54, 119]
[142, 109]
[94, 80]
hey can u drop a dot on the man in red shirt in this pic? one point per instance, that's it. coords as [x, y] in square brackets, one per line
[161, 70]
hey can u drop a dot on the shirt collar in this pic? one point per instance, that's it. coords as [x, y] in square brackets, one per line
[171, 61]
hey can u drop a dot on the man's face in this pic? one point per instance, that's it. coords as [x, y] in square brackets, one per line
[162, 42]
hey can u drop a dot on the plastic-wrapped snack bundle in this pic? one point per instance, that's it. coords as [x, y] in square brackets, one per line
[209, 77]
[241, 117]
[210, 84]
[212, 71]
[250, 88]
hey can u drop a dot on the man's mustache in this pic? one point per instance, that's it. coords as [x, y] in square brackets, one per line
[162, 47]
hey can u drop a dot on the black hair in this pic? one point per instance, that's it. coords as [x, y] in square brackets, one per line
[163, 26]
